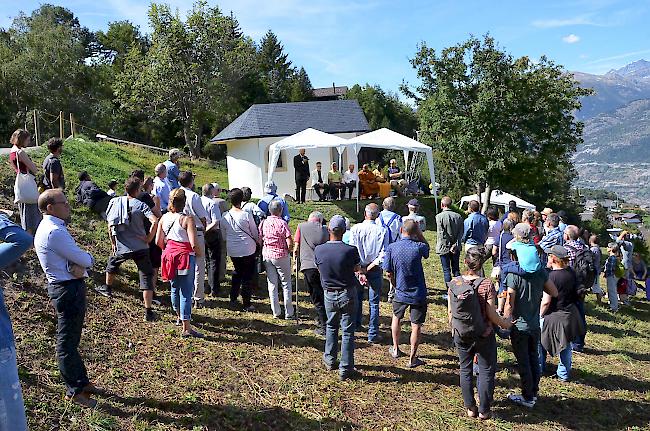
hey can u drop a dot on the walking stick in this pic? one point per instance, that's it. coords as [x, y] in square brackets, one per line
[297, 284]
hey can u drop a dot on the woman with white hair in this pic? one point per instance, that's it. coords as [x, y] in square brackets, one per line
[173, 167]
[277, 241]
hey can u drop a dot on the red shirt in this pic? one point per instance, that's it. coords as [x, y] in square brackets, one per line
[274, 232]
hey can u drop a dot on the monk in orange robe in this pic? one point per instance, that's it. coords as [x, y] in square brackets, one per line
[368, 181]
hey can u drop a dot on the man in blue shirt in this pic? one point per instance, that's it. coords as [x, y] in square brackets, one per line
[392, 223]
[403, 264]
[173, 168]
[270, 189]
[15, 242]
[476, 227]
[337, 263]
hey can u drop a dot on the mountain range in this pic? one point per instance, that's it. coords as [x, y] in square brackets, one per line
[615, 154]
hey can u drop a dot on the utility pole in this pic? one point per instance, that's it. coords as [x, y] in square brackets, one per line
[36, 128]
[61, 131]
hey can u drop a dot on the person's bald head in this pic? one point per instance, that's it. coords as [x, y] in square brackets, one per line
[572, 232]
[53, 202]
[410, 228]
[389, 204]
[445, 202]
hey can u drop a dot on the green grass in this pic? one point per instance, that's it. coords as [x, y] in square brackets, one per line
[254, 372]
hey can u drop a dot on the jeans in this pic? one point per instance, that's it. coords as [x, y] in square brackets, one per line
[486, 349]
[241, 278]
[341, 307]
[312, 278]
[182, 287]
[564, 364]
[579, 343]
[525, 346]
[12, 407]
[321, 190]
[612, 296]
[213, 265]
[450, 265]
[69, 299]
[375, 280]
[278, 272]
[199, 270]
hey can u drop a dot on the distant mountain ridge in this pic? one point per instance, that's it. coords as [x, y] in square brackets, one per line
[615, 154]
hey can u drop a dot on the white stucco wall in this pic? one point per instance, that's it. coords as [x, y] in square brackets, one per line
[247, 163]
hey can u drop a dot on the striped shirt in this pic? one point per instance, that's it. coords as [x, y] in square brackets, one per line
[552, 237]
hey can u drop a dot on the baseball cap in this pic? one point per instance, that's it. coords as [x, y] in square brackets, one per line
[337, 222]
[521, 230]
[558, 251]
[547, 211]
[413, 203]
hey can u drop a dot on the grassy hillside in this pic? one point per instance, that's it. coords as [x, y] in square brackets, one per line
[254, 372]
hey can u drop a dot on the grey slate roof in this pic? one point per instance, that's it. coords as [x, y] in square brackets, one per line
[285, 119]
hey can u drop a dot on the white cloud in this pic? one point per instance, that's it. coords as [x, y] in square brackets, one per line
[571, 38]
[619, 56]
[553, 23]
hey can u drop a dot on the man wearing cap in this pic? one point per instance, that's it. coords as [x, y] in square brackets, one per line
[270, 189]
[559, 317]
[194, 208]
[161, 186]
[337, 263]
[450, 232]
[370, 240]
[413, 207]
[173, 167]
[562, 224]
[301, 168]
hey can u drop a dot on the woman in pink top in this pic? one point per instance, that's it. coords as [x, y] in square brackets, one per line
[277, 241]
[30, 216]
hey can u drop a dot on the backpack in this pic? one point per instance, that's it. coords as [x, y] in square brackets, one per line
[466, 317]
[387, 227]
[585, 269]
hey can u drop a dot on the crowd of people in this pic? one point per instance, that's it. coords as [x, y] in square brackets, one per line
[542, 268]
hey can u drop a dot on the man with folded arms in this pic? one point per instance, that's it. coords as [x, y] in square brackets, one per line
[65, 264]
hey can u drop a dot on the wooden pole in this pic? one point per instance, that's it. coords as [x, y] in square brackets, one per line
[71, 125]
[36, 128]
[61, 131]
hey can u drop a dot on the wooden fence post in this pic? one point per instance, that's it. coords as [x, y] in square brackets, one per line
[61, 131]
[71, 125]
[36, 128]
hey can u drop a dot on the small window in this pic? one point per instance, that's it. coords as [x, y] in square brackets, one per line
[281, 165]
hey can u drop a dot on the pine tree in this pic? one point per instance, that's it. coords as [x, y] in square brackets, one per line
[301, 89]
[275, 68]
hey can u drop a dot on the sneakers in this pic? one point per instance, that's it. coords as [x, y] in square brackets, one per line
[349, 375]
[94, 390]
[521, 401]
[416, 363]
[192, 333]
[104, 290]
[82, 399]
[395, 353]
[149, 315]
[249, 309]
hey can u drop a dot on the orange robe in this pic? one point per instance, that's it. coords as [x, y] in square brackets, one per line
[368, 182]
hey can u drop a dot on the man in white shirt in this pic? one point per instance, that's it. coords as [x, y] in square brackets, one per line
[350, 179]
[319, 182]
[194, 207]
[161, 186]
[370, 239]
[392, 223]
[212, 238]
[65, 264]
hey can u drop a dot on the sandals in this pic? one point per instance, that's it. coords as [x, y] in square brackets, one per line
[395, 354]
[416, 363]
[192, 334]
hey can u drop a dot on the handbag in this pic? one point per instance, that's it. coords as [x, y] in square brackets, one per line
[25, 189]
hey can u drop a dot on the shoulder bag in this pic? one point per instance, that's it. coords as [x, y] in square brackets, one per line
[25, 188]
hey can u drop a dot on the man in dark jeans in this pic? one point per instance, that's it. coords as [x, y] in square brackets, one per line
[301, 168]
[450, 233]
[309, 235]
[337, 263]
[65, 264]
[525, 291]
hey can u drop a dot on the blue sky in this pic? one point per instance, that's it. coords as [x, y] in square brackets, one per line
[351, 41]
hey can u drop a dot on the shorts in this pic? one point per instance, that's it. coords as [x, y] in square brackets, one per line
[142, 261]
[418, 311]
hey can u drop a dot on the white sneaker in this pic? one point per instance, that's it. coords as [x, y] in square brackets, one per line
[520, 400]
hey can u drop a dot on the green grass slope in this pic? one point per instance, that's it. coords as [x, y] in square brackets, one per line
[254, 372]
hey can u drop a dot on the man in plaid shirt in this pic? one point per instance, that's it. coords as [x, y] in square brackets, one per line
[573, 246]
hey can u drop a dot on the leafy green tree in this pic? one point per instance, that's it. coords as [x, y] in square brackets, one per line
[497, 121]
[118, 40]
[187, 71]
[384, 109]
[275, 68]
[301, 89]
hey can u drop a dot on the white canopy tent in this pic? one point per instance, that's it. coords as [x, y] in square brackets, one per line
[387, 139]
[382, 138]
[497, 197]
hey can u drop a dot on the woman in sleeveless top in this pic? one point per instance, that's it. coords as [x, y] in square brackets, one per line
[30, 216]
[176, 236]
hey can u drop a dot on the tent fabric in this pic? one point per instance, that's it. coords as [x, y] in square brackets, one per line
[497, 197]
[308, 138]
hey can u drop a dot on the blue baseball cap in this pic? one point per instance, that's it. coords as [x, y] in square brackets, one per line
[337, 222]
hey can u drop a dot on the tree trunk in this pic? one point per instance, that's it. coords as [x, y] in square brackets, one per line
[194, 152]
[488, 192]
[478, 192]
